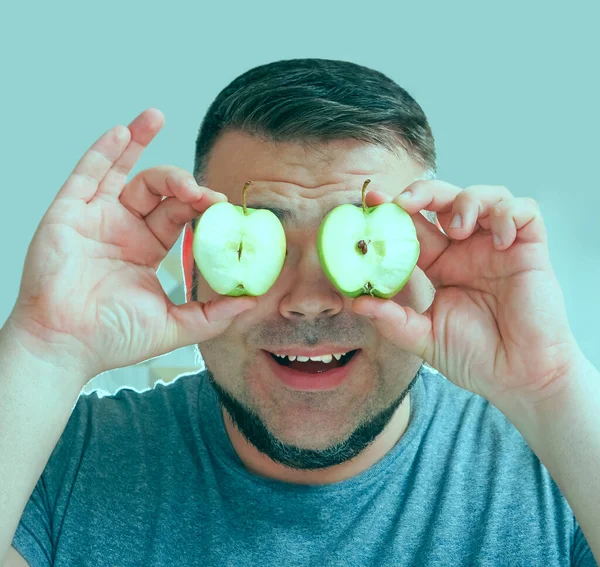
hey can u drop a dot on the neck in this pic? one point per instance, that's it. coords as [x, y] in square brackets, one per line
[261, 465]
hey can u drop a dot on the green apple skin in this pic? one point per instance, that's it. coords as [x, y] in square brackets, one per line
[217, 238]
[356, 215]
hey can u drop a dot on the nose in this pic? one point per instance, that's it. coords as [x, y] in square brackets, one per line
[310, 295]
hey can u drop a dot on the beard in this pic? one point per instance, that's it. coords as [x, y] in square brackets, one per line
[254, 430]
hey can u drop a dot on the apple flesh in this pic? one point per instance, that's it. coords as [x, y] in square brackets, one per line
[239, 250]
[368, 251]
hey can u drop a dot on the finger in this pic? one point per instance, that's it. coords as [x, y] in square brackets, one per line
[429, 194]
[168, 219]
[194, 322]
[470, 206]
[402, 326]
[146, 190]
[95, 164]
[432, 240]
[484, 222]
[516, 218]
[374, 198]
[143, 130]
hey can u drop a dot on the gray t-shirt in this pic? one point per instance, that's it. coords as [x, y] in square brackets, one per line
[151, 478]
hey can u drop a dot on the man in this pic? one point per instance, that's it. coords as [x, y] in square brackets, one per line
[388, 464]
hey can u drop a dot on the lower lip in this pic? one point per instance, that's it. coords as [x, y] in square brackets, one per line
[312, 382]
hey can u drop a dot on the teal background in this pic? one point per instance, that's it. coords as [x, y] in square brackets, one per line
[511, 90]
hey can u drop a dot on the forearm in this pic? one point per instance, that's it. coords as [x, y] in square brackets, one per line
[564, 433]
[36, 400]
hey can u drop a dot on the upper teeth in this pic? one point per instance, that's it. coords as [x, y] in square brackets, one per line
[326, 358]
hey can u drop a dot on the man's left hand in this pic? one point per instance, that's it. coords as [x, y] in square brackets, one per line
[497, 325]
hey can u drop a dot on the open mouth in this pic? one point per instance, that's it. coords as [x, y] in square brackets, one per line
[310, 366]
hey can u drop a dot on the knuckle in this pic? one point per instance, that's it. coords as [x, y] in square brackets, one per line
[476, 189]
[420, 184]
[499, 211]
[503, 208]
[176, 212]
[532, 204]
[167, 169]
[171, 175]
[155, 169]
[467, 196]
[495, 190]
[429, 186]
[167, 172]
[120, 169]
[418, 188]
[84, 177]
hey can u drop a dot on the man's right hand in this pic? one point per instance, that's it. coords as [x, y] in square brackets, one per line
[90, 298]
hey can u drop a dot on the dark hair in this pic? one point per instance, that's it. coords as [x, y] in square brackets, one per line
[315, 100]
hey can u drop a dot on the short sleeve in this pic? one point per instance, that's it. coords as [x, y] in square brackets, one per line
[33, 538]
[582, 554]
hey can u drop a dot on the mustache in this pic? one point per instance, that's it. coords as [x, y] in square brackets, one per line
[339, 329]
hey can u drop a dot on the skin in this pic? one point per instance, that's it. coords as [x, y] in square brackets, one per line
[90, 301]
[304, 308]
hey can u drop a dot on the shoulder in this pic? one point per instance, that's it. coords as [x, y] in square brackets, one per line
[181, 390]
[474, 467]
[475, 440]
[129, 415]
[456, 410]
[469, 433]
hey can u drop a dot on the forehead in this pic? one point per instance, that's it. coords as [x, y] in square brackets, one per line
[328, 173]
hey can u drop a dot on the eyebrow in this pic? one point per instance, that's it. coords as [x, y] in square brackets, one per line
[290, 215]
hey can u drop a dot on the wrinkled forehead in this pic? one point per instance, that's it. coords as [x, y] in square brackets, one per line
[237, 157]
[301, 181]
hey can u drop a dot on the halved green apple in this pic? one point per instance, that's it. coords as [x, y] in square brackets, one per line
[368, 250]
[238, 250]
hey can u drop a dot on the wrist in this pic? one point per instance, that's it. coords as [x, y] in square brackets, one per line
[574, 394]
[20, 347]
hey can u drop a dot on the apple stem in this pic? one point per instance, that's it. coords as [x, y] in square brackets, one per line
[364, 194]
[244, 196]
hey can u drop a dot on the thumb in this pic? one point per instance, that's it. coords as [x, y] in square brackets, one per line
[402, 326]
[194, 322]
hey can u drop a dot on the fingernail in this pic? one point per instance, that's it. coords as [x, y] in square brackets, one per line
[406, 195]
[497, 240]
[192, 183]
[456, 221]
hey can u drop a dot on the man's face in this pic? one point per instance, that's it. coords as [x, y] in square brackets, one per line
[307, 429]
